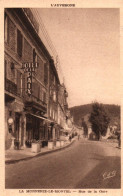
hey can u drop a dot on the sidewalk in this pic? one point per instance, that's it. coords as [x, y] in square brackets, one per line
[12, 156]
[111, 142]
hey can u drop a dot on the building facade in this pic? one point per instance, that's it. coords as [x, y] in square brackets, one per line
[31, 82]
[62, 107]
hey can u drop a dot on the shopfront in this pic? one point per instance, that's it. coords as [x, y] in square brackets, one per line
[14, 123]
[36, 128]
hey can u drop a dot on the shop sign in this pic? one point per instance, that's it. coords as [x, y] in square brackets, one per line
[29, 68]
[29, 83]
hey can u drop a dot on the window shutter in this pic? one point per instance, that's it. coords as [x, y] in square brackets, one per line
[45, 74]
[34, 56]
[44, 97]
[5, 68]
[19, 43]
[6, 28]
[35, 89]
[23, 85]
[18, 83]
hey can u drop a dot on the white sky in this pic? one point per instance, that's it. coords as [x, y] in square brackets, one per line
[87, 42]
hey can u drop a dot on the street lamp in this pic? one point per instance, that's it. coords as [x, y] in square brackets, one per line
[10, 122]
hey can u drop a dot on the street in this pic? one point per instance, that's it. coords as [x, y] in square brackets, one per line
[85, 164]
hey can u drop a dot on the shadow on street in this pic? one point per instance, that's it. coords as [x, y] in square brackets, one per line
[107, 174]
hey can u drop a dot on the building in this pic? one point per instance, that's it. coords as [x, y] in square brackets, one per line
[53, 102]
[26, 77]
[31, 83]
[62, 107]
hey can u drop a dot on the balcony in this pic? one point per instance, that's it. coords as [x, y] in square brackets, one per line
[34, 103]
[10, 87]
[37, 100]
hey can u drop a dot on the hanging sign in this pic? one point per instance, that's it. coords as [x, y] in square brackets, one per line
[29, 68]
[29, 83]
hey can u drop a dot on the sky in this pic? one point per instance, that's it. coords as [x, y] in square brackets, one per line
[87, 43]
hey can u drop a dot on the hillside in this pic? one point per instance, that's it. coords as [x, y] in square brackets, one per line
[83, 111]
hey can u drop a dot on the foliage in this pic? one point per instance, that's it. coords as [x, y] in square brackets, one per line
[79, 112]
[99, 119]
[85, 128]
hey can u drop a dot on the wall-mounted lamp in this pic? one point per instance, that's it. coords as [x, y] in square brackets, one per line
[10, 122]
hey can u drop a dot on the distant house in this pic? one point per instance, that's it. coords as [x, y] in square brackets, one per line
[91, 134]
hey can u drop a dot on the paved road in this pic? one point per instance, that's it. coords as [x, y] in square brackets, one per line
[85, 164]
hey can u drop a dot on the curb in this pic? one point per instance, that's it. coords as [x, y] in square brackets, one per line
[37, 155]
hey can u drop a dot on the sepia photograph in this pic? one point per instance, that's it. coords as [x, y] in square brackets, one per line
[62, 99]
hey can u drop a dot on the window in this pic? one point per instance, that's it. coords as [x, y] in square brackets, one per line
[6, 28]
[54, 80]
[5, 68]
[27, 51]
[44, 97]
[36, 89]
[54, 96]
[19, 43]
[40, 69]
[51, 77]
[9, 32]
[23, 85]
[45, 74]
[19, 83]
[34, 56]
[21, 80]
[50, 111]
[40, 93]
[50, 90]
[53, 114]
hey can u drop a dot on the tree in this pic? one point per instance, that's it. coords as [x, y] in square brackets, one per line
[85, 128]
[99, 119]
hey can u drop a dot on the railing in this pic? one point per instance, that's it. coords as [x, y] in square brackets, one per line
[10, 86]
[35, 99]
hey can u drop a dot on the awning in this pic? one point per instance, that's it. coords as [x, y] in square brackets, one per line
[40, 117]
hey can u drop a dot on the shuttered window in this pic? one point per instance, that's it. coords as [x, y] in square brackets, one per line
[19, 43]
[44, 97]
[27, 51]
[19, 83]
[23, 85]
[6, 28]
[5, 68]
[34, 56]
[11, 34]
[45, 74]
[36, 90]
[40, 70]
